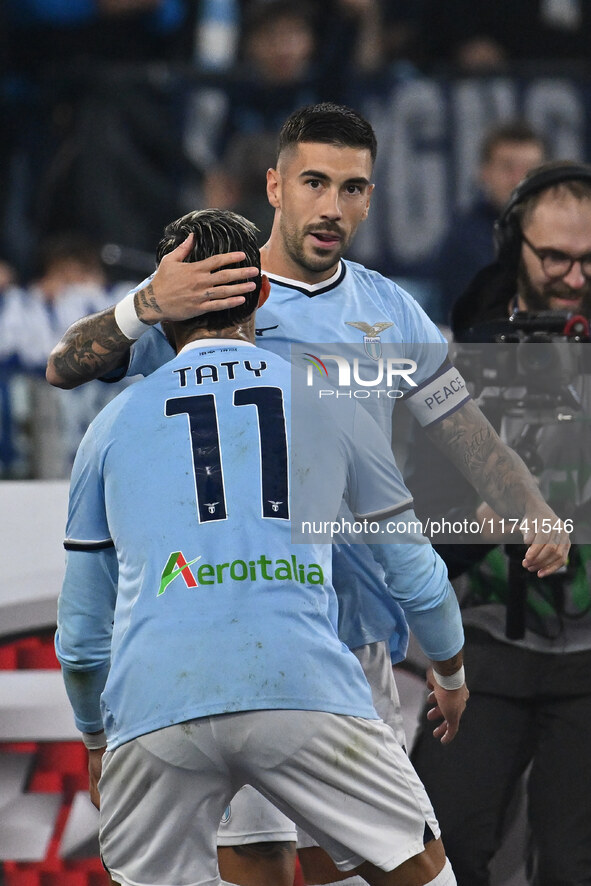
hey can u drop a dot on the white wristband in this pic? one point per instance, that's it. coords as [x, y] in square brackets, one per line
[453, 681]
[94, 741]
[127, 320]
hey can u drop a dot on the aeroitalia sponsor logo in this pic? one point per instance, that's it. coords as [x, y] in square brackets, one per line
[175, 566]
[265, 568]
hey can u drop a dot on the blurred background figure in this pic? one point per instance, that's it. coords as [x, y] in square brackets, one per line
[508, 150]
[50, 54]
[70, 283]
[276, 72]
[478, 36]
[289, 55]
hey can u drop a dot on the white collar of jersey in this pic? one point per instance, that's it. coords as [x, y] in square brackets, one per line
[216, 343]
[311, 288]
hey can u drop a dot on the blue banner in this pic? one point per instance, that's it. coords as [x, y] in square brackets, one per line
[429, 132]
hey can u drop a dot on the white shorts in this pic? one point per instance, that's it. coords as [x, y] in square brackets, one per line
[377, 667]
[250, 818]
[345, 780]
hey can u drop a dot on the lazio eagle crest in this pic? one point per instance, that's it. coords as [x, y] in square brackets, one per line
[371, 337]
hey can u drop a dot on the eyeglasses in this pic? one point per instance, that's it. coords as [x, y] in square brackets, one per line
[556, 264]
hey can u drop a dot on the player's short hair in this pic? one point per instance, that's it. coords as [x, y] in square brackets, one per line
[216, 231]
[513, 132]
[330, 124]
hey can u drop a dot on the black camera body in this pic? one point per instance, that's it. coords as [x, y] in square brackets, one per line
[527, 360]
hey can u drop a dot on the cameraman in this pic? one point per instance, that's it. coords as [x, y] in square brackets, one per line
[530, 698]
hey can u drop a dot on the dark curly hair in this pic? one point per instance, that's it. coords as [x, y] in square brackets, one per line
[216, 231]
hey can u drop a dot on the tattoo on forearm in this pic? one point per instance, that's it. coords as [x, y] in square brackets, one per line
[90, 348]
[144, 299]
[496, 471]
[476, 448]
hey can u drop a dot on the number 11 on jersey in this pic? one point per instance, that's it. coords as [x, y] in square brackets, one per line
[201, 411]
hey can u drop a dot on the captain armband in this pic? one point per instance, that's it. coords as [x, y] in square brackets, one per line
[438, 396]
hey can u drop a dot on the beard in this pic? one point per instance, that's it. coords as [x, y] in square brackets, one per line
[540, 299]
[293, 241]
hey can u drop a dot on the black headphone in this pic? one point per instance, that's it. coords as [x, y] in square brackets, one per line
[507, 230]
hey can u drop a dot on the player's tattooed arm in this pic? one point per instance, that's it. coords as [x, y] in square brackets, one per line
[503, 480]
[91, 348]
[95, 345]
[146, 305]
[499, 475]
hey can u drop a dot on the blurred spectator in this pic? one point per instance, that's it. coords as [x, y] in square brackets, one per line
[70, 281]
[356, 35]
[477, 35]
[351, 32]
[400, 32]
[48, 49]
[507, 152]
[71, 284]
[7, 275]
[217, 30]
[276, 74]
[52, 31]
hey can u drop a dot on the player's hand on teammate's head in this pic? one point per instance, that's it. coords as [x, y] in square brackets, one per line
[180, 289]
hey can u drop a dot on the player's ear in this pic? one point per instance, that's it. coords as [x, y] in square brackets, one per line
[368, 201]
[273, 188]
[265, 290]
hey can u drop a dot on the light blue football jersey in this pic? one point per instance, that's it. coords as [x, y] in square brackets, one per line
[364, 309]
[356, 307]
[187, 474]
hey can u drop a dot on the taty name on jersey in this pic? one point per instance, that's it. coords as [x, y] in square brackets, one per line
[211, 372]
